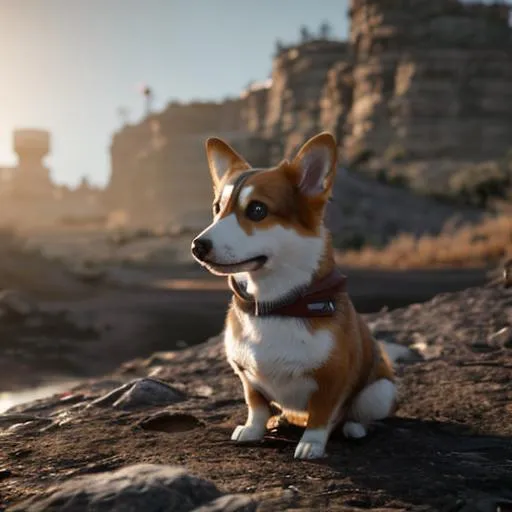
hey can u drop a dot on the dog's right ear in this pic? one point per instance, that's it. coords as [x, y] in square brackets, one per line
[223, 160]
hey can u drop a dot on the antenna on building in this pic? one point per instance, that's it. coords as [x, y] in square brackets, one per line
[147, 92]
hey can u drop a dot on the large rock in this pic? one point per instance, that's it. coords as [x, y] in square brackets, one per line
[147, 487]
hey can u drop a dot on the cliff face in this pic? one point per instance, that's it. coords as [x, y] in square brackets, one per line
[298, 78]
[336, 99]
[433, 78]
[416, 80]
[159, 168]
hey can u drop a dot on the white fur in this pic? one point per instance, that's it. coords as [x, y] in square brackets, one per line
[279, 352]
[354, 430]
[245, 195]
[373, 403]
[219, 163]
[254, 428]
[312, 444]
[226, 194]
[292, 258]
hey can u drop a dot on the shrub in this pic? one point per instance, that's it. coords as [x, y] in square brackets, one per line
[395, 153]
[477, 184]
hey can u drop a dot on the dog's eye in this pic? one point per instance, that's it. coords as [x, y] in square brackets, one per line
[256, 211]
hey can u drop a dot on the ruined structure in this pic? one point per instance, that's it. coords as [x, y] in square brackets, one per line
[29, 198]
[417, 80]
[30, 178]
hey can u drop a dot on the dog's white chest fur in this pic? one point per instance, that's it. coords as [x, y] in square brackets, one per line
[277, 356]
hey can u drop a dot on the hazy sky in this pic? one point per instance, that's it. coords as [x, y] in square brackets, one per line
[68, 65]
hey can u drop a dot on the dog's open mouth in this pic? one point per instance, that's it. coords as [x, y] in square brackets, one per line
[249, 265]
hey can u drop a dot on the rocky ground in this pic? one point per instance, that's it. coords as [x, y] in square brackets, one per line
[448, 448]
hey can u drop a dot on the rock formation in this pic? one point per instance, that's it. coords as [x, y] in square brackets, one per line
[159, 169]
[298, 77]
[416, 81]
[433, 78]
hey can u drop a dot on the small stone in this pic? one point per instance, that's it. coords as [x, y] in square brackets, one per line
[13, 302]
[5, 473]
[144, 392]
[502, 338]
[507, 273]
[159, 358]
[427, 351]
[204, 391]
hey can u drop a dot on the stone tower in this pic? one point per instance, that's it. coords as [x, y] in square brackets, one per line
[31, 178]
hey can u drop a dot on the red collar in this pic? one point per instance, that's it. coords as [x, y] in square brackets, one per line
[316, 300]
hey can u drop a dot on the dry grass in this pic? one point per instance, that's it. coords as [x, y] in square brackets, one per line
[471, 246]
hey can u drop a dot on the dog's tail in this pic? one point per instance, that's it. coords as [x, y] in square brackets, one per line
[397, 353]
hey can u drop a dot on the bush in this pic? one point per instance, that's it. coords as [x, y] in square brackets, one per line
[360, 156]
[395, 153]
[477, 184]
[393, 179]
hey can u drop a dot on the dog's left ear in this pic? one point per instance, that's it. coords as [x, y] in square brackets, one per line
[316, 165]
[222, 160]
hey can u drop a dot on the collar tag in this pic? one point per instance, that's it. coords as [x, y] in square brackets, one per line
[327, 306]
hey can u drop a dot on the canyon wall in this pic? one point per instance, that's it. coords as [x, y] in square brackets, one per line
[432, 78]
[416, 80]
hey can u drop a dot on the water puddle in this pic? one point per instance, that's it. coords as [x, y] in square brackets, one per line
[9, 399]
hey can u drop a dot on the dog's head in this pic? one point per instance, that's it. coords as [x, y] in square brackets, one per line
[262, 217]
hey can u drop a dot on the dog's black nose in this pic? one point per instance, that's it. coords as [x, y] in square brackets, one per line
[201, 247]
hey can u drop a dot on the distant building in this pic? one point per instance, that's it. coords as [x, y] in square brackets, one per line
[28, 197]
[30, 177]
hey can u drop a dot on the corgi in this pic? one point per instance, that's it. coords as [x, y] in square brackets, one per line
[291, 334]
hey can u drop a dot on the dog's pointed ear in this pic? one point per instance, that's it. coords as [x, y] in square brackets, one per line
[315, 164]
[223, 159]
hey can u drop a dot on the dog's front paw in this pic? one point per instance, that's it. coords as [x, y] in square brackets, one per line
[309, 450]
[247, 434]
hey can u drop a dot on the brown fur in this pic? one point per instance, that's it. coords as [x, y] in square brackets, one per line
[356, 360]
